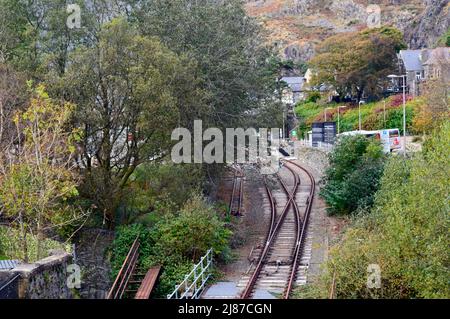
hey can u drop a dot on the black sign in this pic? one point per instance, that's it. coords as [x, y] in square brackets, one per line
[329, 132]
[323, 133]
[317, 133]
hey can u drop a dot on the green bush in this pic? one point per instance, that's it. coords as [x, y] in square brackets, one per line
[356, 165]
[10, 245]
[193, 231]
[174, 240]
[406, 233]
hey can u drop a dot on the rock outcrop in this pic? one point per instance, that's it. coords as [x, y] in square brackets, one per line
[297, 26]
[430, 25]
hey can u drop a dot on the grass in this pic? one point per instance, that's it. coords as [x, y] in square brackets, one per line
[371, 115]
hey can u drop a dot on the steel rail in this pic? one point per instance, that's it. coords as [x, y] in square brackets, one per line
[302, 234]
[272, 235]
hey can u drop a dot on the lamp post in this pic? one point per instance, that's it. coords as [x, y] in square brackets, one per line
[384, 113]
[328, 108]
[392, 76]
[339, 125]
[359, 113]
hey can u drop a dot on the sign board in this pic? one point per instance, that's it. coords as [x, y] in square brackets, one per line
[317, 133]
[329, 132]
[385, 141]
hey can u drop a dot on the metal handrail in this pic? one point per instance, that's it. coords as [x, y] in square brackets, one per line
[193, 289]
[129, 264]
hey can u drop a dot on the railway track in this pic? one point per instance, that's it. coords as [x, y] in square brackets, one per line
[237, 193]
[279, 260]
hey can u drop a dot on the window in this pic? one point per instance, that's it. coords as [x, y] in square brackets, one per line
[418, 76]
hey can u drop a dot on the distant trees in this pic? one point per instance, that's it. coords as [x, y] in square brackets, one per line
[357, 62]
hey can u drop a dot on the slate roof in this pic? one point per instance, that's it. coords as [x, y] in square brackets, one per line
[412, 60]
[8, 264]
[294, 82]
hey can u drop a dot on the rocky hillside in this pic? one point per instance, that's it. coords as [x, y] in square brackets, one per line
[297, 26]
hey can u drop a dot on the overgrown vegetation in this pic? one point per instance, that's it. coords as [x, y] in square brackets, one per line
[176, 241]
[405, 234]
[37, 180]
[11, 245]
[356, 165]
[374, 116]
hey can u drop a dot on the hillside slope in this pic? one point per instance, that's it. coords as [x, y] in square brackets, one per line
[296, 26]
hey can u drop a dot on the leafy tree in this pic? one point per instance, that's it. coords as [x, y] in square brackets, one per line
[357, 62]
[228, 47]
[37, 176]
[131, 92]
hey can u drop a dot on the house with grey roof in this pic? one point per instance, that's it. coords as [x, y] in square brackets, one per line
[293, 91]
[422, 65]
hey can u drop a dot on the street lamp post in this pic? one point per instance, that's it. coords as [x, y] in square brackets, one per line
[392, 76]
[384, 113]
[328, 108]
[339, 123]
[359, 113]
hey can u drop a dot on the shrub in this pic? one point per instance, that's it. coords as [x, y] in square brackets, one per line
[406, 233]
[174, 240]
[10, 245]
[356, 165]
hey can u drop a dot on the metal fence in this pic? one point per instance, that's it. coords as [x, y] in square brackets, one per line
[9, 287]
[194, 283]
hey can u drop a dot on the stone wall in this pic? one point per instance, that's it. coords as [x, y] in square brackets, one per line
[91, 253]
[44, 279]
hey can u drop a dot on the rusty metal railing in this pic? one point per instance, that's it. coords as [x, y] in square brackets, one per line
[126, 271]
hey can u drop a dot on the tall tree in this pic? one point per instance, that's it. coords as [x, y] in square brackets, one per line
[131, 92]
[228, 46]
[357, 62]
[37, 174]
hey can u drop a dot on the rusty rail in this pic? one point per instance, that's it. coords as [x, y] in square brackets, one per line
[126, 271]
[235, 208]
[273, 230]
[302, 234]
